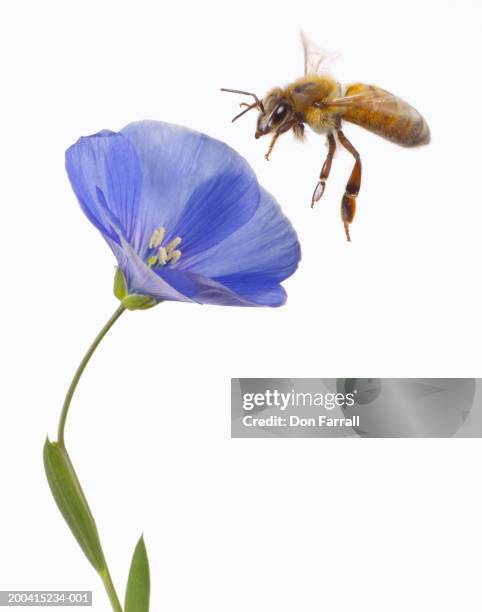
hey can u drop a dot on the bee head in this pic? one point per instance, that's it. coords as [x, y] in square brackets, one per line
[275, 111]
[276, 115]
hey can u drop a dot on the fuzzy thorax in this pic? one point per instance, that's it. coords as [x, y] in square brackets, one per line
[305, 92]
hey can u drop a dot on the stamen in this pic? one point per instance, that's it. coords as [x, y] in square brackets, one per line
[165, 254]
[162, 255]
[174, 256]
[157, 238]
[173, 244]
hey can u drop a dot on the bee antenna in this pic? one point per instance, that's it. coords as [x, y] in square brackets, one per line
[257, 102]
[248, 108]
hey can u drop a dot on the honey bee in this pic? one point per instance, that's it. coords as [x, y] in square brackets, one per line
[319, 101]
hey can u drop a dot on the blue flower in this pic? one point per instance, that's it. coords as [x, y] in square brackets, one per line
[184, 215]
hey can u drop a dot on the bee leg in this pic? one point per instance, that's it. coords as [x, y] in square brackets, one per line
[271, 145]
[285, 127]
[325, 171]
[348, 203]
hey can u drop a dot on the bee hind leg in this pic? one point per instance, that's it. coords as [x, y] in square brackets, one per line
[325, 170]
[348, 203]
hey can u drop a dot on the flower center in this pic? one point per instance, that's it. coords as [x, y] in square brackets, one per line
[163, 255]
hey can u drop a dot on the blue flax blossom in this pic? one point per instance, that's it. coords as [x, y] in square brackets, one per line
[184, 215]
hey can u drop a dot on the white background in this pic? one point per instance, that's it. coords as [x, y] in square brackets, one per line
[284, 525]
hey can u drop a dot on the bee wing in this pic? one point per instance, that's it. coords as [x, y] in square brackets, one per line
[316, 59]
[373, 98]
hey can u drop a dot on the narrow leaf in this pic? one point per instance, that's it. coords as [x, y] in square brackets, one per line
[139, 583]
[71, 502]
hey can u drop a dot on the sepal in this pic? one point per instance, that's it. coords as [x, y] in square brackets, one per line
[135, 301]
[131, 301]
[120, 284]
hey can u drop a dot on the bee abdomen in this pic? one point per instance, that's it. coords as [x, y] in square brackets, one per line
[387, 115]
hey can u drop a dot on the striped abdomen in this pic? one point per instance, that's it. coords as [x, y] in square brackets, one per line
[384, 114]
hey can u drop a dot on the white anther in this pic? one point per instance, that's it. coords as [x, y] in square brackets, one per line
[174, 256]
[157, 238]
[162, 255]
[173, 244]
[165, 254]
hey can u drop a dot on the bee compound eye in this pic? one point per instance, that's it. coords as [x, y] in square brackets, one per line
[280, 112]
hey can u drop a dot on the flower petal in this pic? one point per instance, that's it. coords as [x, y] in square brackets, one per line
[105, 174]
[143, 280]
[253, 295]
[237, 246]
[193, 185]
[183, 286]
[215, 210]
[208, 291]
[274, 296]
[259, 255]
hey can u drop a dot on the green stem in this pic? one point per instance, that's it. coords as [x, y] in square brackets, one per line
[110, 590]
[80, 369]
[104, 573]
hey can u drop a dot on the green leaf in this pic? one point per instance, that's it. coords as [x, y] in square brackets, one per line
[139, 583]
[71, 502]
